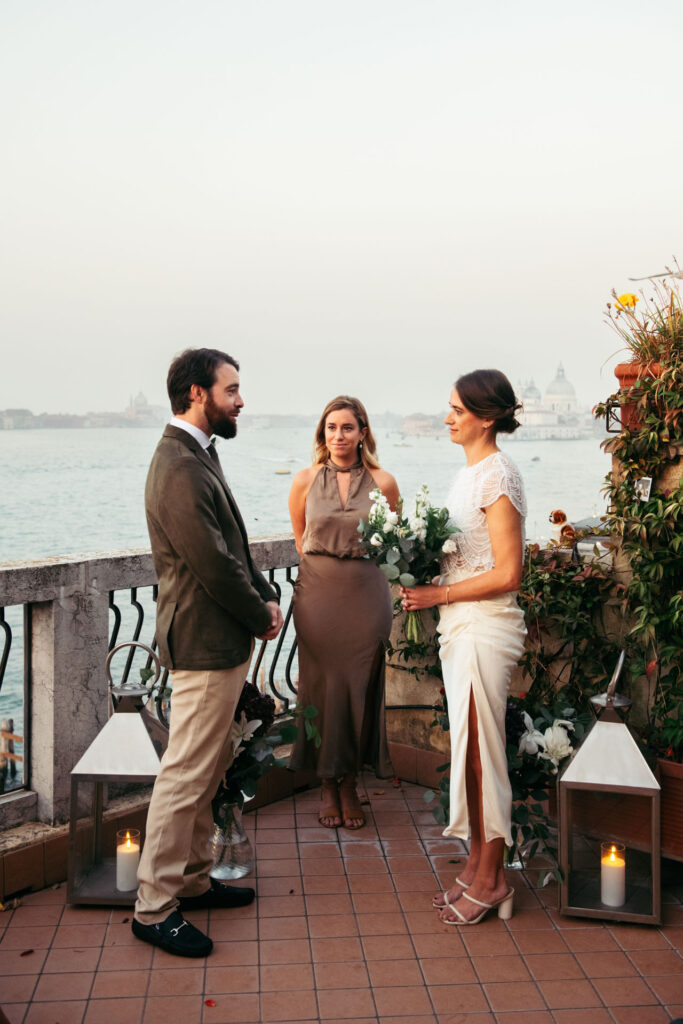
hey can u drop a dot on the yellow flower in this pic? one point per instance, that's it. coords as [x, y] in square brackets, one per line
[627, 301]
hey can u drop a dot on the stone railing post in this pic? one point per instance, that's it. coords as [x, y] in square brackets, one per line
[68, 688]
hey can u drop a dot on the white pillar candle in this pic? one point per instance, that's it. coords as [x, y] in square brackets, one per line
[127, 859]
[612, 875]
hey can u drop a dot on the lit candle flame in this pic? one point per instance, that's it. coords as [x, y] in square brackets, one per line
[127, 839]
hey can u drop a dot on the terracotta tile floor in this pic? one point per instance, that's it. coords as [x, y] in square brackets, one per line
[343, 931]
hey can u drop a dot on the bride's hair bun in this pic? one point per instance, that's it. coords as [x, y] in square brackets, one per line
[490, 395]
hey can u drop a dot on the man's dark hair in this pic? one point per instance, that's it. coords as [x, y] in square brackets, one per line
[193, 366]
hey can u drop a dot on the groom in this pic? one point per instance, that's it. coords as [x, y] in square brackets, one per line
[212, 603]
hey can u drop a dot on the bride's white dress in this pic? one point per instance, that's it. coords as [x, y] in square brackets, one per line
[481, 642]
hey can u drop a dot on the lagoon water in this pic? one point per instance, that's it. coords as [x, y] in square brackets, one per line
[69, 492]
[74, 491]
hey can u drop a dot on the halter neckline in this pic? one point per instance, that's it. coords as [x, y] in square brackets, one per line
[343, 469]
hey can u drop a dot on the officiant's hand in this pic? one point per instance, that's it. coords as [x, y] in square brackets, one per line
[415, 598]
[276, 621]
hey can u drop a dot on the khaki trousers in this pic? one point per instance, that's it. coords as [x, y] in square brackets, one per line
[176, 859]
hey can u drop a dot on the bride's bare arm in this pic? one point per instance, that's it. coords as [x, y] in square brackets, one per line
[505, 530]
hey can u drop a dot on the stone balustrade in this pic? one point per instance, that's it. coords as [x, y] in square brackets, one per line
[66, 641]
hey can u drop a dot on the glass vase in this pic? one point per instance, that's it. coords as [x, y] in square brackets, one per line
[512, 858]
[233, 856]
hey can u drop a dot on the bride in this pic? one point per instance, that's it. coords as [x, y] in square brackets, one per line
[481, 638]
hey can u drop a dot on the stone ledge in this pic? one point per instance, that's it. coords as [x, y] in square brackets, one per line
[29, 582]
[15, 807]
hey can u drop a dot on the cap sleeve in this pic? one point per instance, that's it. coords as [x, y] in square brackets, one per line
[502, 477]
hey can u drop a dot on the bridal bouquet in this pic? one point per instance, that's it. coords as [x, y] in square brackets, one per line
[407, 549]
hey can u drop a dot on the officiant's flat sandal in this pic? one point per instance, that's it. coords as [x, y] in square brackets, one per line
[350, 801]
[504, 905]
[444, 894]
[329, 805]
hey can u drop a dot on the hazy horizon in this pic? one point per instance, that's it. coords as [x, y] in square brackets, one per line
[367, 198]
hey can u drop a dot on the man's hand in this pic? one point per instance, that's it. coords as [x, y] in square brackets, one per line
[276, 621]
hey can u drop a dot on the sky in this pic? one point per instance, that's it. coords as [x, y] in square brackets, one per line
[366, 197]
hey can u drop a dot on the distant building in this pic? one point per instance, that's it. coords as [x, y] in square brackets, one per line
[17, 419]
[142, 414]
[139, 413]
[421, 424]
[554, 416]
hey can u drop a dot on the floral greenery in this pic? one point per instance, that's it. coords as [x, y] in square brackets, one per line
[650, 536]
[570, 649]
[653, 333]
[407, 549]
[533, 764]
[649, 531]
[254, 744]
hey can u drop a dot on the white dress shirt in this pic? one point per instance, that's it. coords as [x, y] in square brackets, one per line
[196, 433]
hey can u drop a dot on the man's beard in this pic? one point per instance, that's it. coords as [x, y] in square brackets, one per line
[221, 425]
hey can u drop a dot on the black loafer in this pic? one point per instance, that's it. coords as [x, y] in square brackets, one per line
[218, 896]
[175, 935]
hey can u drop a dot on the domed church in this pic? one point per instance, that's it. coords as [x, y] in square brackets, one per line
[560, 395]
[554, 416]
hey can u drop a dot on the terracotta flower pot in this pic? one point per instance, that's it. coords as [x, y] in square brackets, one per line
[627, 374]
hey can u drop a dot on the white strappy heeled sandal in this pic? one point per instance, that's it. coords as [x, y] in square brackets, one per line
[440, 906]
[504, 904]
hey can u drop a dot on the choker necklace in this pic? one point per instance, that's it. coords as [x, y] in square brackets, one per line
[343, 469]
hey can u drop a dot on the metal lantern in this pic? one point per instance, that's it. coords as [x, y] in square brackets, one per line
[102, 863]
[609, 819]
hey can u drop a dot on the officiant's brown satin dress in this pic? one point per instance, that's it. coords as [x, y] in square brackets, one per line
[342, 614]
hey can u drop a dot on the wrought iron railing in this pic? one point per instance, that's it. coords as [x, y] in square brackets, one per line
[15, 699]
[274, 667]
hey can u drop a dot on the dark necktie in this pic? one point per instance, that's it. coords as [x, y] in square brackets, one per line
[213, 455]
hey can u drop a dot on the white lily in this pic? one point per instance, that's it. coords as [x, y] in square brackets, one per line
[556, 745]
[241, 732]
[531, 741]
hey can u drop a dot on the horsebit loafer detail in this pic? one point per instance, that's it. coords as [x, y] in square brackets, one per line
[175, 935]
[218, 896]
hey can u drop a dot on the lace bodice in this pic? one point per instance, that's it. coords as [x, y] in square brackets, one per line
[475, 488]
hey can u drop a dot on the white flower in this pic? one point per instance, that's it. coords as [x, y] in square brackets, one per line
[241, 732]
[376, 515]
[418, 528]
[450, 546]
[376, 540]
[532, 740]
[556, 743]
[388, 527]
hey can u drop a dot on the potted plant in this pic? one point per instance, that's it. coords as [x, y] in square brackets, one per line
[652, 330]
[645, 495]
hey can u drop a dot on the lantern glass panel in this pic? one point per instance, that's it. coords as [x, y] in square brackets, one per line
[623, 818]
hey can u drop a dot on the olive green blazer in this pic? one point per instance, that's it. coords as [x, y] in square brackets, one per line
[212, 600]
